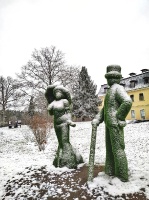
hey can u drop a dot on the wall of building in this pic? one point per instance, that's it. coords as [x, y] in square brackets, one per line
[102, 104]
[139, 105]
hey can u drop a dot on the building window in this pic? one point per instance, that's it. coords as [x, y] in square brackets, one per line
[133, 114]
[142, 114]
[133, 83]
[146, 80]
[132, 97]
[141, 97]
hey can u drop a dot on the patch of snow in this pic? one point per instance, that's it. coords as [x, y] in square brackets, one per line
[17, 155]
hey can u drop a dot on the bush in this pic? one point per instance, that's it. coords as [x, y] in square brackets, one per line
[40, 127]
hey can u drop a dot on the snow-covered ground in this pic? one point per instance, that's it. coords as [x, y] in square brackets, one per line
[18, 151]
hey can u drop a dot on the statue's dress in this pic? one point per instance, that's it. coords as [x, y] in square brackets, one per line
[66, 155]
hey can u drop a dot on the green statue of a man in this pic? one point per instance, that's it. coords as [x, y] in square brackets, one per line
[117, 105]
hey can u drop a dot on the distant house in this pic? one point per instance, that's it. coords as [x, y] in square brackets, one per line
[137, 87]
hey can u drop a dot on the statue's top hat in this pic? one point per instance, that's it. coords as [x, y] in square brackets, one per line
[113, 71]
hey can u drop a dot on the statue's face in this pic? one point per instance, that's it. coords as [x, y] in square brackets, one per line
[58, 94]
[111, 81]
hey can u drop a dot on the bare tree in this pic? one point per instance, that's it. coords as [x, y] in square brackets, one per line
[38, 105]
[41, 103]
[46, 67]
[43, 68]
[9, 94]
[69, 77]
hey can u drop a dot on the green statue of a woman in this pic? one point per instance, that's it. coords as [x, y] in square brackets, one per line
[59, 100]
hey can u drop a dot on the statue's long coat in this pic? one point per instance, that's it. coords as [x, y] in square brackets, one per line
[117, 105]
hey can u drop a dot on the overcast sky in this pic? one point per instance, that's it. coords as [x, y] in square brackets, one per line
[91, 33]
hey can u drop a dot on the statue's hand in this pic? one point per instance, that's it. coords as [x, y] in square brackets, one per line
[71, 123]
[121, 123]
[95, 122]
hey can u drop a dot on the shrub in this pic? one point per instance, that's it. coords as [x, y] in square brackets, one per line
[40, 126]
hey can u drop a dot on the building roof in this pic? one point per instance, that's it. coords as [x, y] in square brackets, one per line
[139, 80]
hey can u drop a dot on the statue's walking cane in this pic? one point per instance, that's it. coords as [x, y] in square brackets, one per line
[92, 153]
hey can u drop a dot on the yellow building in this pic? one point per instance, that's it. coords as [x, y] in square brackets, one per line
[137, 87]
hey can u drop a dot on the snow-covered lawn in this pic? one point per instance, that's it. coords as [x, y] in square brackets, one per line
[18, 153]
